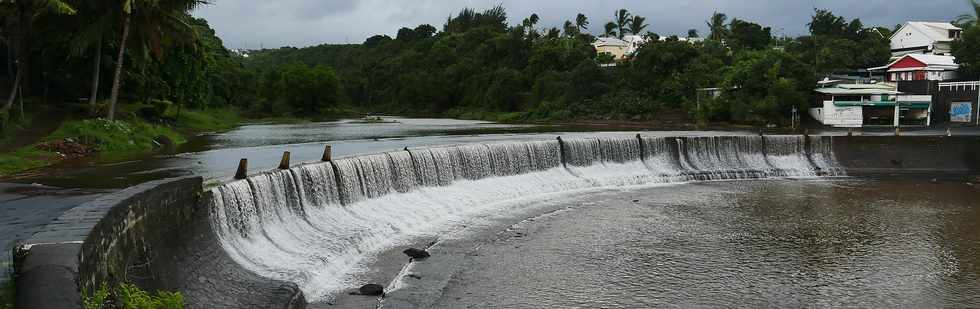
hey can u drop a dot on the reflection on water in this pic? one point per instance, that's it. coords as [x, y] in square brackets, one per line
[391, 127]
[865, 244]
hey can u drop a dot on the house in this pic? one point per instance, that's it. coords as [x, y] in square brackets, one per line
[629, 45]
[920, 67]
[613, 46]
[878, 104]
[917, 37]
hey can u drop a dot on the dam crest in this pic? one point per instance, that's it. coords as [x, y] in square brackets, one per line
[316, 225]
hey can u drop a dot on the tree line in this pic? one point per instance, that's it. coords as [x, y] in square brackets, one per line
[476, 64]
[480, 65]
[94, 55]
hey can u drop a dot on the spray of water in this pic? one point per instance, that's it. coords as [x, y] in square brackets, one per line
[317, 225]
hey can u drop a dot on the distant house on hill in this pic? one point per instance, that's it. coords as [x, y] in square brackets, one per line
[917, 37]
[613, 46]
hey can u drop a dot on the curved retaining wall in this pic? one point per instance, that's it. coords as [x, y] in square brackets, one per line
[155, 235]
[159, 234]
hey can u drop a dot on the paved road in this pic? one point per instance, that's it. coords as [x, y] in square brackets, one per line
[25, 208]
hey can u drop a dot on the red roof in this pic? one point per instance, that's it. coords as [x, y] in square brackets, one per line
[907, 62]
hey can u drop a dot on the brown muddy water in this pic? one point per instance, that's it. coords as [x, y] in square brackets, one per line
[859, 243]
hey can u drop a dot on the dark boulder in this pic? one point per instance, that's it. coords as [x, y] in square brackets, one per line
[416, 254]
[371, 290]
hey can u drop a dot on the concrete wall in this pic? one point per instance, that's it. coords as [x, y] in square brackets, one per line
[156, 235]
[908, 154]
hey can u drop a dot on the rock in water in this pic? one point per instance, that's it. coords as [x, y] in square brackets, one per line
[372, 290]
[416, 254]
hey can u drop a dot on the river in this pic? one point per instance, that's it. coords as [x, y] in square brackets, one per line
[30, 202]
[792, 242]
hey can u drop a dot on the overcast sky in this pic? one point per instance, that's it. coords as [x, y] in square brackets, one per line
[269, 24]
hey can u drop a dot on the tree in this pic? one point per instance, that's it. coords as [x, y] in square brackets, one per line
[98, 17]
[966, 20]
[622, 19]
[570, 29]
[967, 52]
[748, 35]
[765, 86]
[717, 26]
[581, 22]
[637, 25]
[693, 33]
[156, 20]
[610, 30]
[26, 12]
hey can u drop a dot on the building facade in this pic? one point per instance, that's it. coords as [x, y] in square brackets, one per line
[862, 105]
[917, 37]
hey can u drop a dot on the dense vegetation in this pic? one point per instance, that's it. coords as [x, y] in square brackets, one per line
[480, 66]
[129, 296]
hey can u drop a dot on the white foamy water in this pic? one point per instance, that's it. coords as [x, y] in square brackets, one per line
[317, 225]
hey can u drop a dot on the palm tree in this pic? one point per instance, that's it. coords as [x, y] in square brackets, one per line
[581, 22]
[693, 33]
[610, 30]
[99, 20]
[717, 26]
[570, 29]
[622, 22]
[156, 22]
[967, 20]
[637, 24]
[26, 12]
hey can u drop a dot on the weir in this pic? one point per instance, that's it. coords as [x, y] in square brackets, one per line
[315, 224]
[300, 234]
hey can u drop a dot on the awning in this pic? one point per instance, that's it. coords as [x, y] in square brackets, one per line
[913, 105]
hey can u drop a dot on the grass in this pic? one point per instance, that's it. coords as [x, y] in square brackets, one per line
[130, 296]
[107, 136]
[212, 120]
[23, 159]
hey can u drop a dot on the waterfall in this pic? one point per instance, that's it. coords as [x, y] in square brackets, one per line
[318, 224]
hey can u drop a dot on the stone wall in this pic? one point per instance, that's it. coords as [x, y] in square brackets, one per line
[156, 235]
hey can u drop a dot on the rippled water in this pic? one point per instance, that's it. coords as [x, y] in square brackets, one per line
[859, 243]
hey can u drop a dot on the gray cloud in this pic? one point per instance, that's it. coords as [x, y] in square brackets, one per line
[269, 24]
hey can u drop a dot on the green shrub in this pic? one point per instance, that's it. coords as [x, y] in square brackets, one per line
[129, 296]
[116, 136]
[7, 294]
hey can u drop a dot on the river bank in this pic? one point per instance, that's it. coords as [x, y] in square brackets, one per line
[42, 142]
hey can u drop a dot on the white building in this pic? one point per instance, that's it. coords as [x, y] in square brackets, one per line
[917, 37]
[613, 46]
[860, 105]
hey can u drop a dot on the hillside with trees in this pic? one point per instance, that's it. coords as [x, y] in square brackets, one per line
[83, 73]
[480, 66]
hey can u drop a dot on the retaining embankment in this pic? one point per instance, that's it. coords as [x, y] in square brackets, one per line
[861, 155]
[146, 235]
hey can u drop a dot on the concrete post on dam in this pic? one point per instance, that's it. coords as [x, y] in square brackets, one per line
[242, 172]
[284, 163]
[327, 154]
